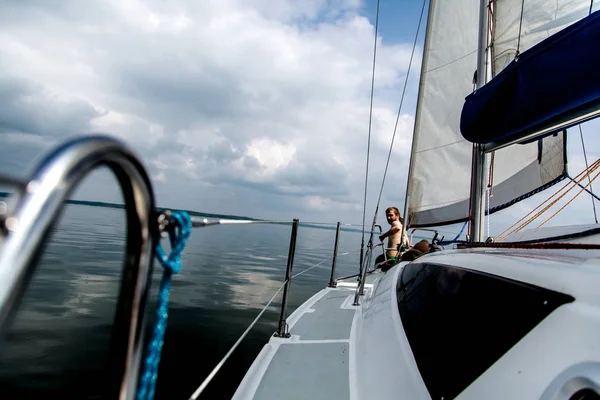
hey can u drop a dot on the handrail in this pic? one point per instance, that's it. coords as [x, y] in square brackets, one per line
[37, 208]
[435, 231]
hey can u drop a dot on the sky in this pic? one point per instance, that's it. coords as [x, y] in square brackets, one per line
[246, 107]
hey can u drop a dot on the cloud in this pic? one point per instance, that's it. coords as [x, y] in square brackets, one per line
[262, 103]
[19, 153]
[249, 107]
[27, 107]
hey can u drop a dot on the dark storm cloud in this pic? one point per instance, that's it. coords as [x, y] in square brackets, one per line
[29, 108]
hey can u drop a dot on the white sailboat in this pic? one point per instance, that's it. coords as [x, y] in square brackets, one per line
[511, 320]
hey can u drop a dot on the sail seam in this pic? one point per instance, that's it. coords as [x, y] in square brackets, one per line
[452, 62]
[439, 147]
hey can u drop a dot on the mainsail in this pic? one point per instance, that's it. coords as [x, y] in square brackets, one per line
[440, 174]
[521, 24]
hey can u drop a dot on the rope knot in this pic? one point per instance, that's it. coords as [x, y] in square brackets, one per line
[179, 226]
[178, 235]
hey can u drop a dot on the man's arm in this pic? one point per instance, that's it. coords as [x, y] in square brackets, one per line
[394, 229]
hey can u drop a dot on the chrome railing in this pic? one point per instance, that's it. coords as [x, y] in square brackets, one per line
[282, 331]
[282, 326]
[36, 207]
[435, 233]
[335, 253]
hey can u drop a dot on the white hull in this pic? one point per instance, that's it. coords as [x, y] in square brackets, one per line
[341, 351]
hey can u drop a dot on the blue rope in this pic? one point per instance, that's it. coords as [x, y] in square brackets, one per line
[445, 243]
[460, 233]
[171, 264]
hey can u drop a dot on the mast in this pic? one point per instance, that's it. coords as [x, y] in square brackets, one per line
[479, 164]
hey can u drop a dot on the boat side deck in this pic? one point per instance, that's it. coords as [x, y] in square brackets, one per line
[339, 351]
[316, 357]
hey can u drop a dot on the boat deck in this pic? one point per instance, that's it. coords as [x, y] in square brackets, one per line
[317, 355]
[339, 351]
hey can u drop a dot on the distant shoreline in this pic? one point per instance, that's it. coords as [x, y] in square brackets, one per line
[193, 213]
[122, 207]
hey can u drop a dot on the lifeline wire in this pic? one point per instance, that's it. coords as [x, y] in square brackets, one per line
[316, 265]
[212, 374]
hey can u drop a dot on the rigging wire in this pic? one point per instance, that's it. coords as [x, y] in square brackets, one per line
[362, 245]
[387, 163]
[520, 26]
[551, 203]
[587, 167]
[569, 202]
[201, 222]
[532, 215]
[519, 225]
[396, 129]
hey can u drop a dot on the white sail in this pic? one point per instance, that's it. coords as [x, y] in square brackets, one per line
[517, 26]
[535, 20]
[439, 179]
[440, 176]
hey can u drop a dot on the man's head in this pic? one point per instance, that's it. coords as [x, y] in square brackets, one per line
[392, 214]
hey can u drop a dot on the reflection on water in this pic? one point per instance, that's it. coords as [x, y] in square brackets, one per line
[58, 343]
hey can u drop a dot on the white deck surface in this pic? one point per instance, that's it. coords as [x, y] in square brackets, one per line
[315, 362]
[341, 351]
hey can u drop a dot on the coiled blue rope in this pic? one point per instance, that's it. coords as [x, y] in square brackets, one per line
[171, 264]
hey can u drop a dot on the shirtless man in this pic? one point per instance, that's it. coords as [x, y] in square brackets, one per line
[393, 234]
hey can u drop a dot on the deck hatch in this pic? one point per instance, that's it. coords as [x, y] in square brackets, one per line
[459, 322]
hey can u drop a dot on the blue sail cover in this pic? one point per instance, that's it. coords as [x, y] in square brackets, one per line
[553, 82]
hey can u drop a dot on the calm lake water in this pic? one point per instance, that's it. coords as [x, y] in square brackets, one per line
[58, 344]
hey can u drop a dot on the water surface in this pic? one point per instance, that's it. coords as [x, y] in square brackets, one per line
[58, 343]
